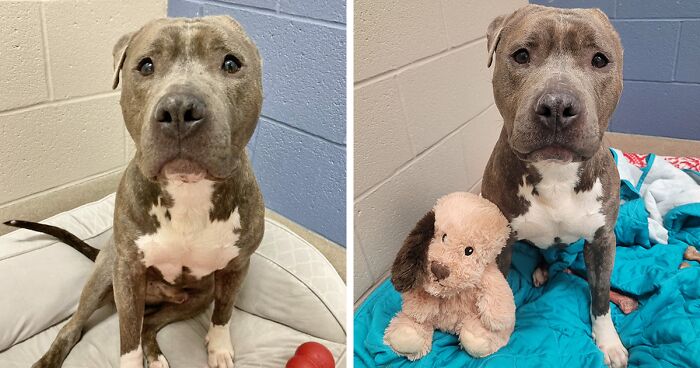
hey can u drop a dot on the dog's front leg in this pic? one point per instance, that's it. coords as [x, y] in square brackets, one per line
[227, 283]
[129, 296]
[599, 256]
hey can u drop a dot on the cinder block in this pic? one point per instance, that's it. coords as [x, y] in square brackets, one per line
[332, 10]
[54, 145]
[362, 279]
[385, 216]
[381, 137]
[184, 8]
[390, 34]
[658, 9]
[445, 93]
[661, 109]
[467, 20]
[23, 77]
[81, 35]
[607, 6]
[478, 138]
[688, 65]
[303, 178]
[650, 49]
[304, 66]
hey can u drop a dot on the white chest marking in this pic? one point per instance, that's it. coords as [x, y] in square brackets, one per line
[187, 237]
[557, 211]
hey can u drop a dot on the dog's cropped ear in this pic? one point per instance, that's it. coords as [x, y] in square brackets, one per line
[119, 54]
[493, 36]
[411, 263]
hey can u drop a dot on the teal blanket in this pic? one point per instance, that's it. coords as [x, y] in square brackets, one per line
[552, 323]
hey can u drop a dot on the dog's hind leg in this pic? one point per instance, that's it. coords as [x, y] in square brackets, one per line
[196, 303]
[97, 291]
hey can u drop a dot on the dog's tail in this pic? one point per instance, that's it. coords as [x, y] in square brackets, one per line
[61, 234]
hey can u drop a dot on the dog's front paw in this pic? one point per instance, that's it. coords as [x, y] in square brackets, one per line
[476, 346]
[219, 347]
[608, 342]
[408, 342]
[161, 362]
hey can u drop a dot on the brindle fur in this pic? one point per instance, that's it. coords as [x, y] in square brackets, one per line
[187, 54]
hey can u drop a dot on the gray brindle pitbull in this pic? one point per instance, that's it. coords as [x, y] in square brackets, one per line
[188, 212]
[557, 80]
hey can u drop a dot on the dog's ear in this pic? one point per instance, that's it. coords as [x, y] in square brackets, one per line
[493, 36]
[119, 54]
[410, 264]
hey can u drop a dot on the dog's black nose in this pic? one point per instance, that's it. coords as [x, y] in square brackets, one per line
[180, 113]
[439, 270]
[557, 109]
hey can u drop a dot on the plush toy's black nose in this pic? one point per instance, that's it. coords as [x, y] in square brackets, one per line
[439, 270]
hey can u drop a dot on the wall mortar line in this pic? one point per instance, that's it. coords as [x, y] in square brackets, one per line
[45, 47]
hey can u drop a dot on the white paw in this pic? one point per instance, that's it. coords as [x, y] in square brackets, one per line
[476, 346]
[608, 341]
[540, 276]
[160, 363]
[219, 347]
[406, 340]
[132, 359]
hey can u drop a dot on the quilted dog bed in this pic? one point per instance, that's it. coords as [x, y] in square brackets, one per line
[291, 295]
[659, 218]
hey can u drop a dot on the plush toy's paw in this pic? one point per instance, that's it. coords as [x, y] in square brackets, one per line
[608, 342]
[406, 341]
[219, 348]
[540, 276]
[476, 346]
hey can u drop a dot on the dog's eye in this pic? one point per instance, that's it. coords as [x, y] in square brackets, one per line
[521, 56]
[146, 66]
[599, 60]
[231, 64]
[468, 251]
[444, 236]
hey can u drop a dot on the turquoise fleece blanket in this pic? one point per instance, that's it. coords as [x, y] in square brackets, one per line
[552, 323]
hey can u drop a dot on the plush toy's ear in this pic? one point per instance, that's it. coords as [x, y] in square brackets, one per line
[119, 54]
[493, 36]
[410, 264]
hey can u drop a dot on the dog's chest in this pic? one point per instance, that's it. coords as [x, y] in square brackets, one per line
[557, 213]
[187, 238]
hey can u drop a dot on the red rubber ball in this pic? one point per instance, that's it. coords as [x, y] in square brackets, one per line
[311, 355]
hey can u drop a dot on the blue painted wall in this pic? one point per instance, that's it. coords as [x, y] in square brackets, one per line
[298, 149]
[661, 94]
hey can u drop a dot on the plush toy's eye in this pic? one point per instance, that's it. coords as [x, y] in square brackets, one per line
[444, 236]
[468, 251]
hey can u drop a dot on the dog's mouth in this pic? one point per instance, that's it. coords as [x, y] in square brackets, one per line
[182, 170]
[553, 153]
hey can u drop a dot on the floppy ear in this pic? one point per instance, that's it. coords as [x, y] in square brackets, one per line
[493, 36]
[119, 54]
[410, 264]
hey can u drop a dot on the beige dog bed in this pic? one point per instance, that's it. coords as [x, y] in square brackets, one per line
[291, 295]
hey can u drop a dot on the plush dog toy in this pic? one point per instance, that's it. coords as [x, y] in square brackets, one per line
[447, 274]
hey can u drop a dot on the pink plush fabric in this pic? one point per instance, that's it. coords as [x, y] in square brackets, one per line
[449, 280]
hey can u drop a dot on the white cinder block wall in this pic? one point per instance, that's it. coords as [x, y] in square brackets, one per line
[425, 119]
[62, 140]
